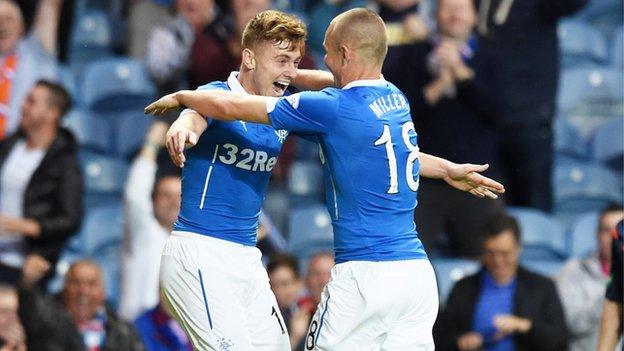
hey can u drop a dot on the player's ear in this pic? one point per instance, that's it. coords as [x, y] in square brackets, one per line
[249, 59]
[344, 54]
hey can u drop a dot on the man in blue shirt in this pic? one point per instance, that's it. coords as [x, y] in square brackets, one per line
[212, 279]
[382, 293]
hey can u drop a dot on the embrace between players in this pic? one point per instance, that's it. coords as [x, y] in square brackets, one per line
[382, 294]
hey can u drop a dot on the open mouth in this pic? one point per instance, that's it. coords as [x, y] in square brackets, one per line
[280, 86]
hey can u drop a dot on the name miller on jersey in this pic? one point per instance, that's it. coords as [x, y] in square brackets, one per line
[387, 104]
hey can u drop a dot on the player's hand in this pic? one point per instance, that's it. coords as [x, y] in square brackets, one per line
[177, 138]
[166, 103]
[509, 324]
[466, 177]
[470, 342]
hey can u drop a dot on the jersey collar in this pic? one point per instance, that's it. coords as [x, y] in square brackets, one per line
[366, 83]
[234, 84]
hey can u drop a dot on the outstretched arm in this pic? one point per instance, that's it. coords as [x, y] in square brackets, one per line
[465, 177]
[217, 104]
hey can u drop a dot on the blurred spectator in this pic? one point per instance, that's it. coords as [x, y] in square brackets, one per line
[144, 17]
[40, 183]
[78, 319]
[152, 206]
[504, 306]
[25, 58]
[12, 336]
[283, 273]
[449, 81]
[318, 274]
[582, 281]
[160, 332]
[319, 14]
[523, 36]
[169, 45]
[406, 22]
[611, 323]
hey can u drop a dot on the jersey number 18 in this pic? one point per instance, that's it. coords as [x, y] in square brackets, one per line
[386, 139]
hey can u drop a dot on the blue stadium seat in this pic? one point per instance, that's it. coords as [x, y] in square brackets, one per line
[581, 44]
[568, 140]
[305, 182]
[582, 237]
[90, 132]
[590, 96]
[102, 227]
[115, 85]
[91, 37]
[449, 271]
[309, 231]
[544, 267]
[129, 129]
[584, 186]
[99, 240]
[103, 174]
[608, 144]
[589, 86]
[617, 55]
[68, 80]
[542, 236]
[605, 15]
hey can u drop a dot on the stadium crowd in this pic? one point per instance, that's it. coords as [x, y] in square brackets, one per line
[88, 196]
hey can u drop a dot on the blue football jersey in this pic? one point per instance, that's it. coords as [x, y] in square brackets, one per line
[370, 163]
[226, 176]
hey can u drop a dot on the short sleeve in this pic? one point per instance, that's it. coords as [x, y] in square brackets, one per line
[305, 112]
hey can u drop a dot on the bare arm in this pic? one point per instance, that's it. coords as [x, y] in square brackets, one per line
[465, 177]
[217, 104]
[611, 326]
[46, 23]
[312, 79]
[186, 130]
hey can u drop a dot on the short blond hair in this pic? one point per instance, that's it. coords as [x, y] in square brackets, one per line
[277, 28]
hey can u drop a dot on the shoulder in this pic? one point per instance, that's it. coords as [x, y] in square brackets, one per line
[216, 85]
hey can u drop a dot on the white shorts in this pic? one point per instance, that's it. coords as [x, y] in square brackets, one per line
[388, 306]
[219, 293]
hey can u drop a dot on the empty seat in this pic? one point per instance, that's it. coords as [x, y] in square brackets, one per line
[449, 271]
[581, 44]
[608, 144]
[129, 129]
[568, 140]
[542, 236]
[590, 96]
[90, 131]
[582, 237]
[584, 186]
[102, 227]
[115, 85]
[310, 231]
[91, 37]
[103, 174]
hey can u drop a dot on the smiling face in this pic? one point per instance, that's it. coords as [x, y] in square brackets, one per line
[83, 293]
[273, 45]
[276, 66]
